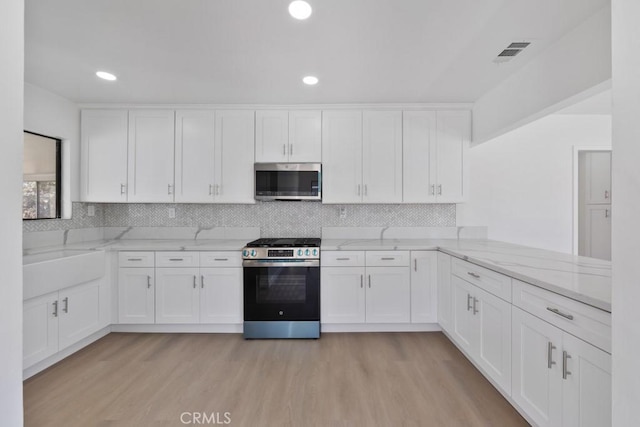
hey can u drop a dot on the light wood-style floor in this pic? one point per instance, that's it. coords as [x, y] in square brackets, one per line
[364, 379]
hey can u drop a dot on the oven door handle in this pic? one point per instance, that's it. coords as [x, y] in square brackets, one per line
[262, 264]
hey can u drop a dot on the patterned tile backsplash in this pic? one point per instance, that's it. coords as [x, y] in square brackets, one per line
[286, 219]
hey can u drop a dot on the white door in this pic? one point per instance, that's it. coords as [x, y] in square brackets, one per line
[103, 150]
[598, 177]
[136, 295]
[424, 276]
[342, 295]
[537, 368]
[221, 295]
[151, 154]
[81, 312]
[418, 136]
[40, 328]
[177, 295]
[194, 157]
[342, 157]
[305, 131]
[234, 157]
[464, 327]
[272, 136]
[444, 291]
[586, 400]
[382, 156]
[598, 231]
[388, 292]
[453, 135]
[493, 352]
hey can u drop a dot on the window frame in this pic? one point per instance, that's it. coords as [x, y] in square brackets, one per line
[58, 214]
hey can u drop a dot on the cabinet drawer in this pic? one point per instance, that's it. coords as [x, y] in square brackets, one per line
[388, 258]
[136, 259]
[342, 258]
[177, 259]
[492, 282]
[221, 259]
[588, 323]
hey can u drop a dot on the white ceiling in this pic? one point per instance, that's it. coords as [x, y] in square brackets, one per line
[252, 51]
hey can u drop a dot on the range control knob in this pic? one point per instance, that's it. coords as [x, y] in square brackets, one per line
[253, 252]
[315, 252]
[245, 253]
[299, 252]
[307, 252]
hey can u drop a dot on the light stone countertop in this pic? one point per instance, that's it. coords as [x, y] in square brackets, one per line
[150, 245]
[583, 279]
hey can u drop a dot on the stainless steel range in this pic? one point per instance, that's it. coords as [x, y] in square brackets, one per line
[282, 288]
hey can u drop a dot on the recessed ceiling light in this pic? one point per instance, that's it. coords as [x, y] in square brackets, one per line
[106, 76]
[300, 9]
[310, 80]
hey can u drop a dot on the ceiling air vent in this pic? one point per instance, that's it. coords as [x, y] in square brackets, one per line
[512, 50]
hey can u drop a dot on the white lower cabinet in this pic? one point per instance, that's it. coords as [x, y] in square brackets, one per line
[55, 321]
[424, 279]
[558, 379]
[388, 295]
[342, 295]
[221, 295]
[136, 295]
[177, 295]
[444, 293]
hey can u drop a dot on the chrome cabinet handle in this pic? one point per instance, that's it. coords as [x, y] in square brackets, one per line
[291, 149]
[148, 282]
[559, 313]
[565, 369]
[387, 258]
[475, 309]
[433, 189]
[550, 348]
[606, 194]
[211, 189]
[169, 189]
[194, 281]
[369, 281]
[55, 308]
[365, 189]
[217, 189]
[415, 264]
[474, 275]
[123, 188]
[362, 281]
[202, 282]
[66, 305]
[439, 189]
[358, 189]
[343, 259]
[606, 213]
[468, 302]
[176, 259]
[134, 259]
[221, 259]
[284, 149]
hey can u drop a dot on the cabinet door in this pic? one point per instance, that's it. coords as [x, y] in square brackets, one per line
[221, 295]
[272, 136]
[464, 328]
[598, 231]
[151, 136]
[342, 156]
[453, 134]
[305, 130]
[424, 276]
[388, 295]
[136, 291]
[444, 292]
[103, 147]
[342, 295]
[194, 157]
[537, 368]
[81, 312]
[418, 138]
[382, 156]
[177, 295]
[586, 400]
[493, 352]
[598, 177]
[40, 328]
[234, 157]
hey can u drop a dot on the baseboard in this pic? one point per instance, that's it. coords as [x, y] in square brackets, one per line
[379, 327]
[180, 328]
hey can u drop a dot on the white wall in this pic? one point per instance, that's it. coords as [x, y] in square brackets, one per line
[626, 207]
[521, 183]
[11, 102]
[579, 61]
[51, 115]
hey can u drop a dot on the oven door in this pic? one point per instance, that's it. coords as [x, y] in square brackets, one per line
[281, 290]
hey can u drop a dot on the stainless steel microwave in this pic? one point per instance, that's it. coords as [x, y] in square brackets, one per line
[288, 181]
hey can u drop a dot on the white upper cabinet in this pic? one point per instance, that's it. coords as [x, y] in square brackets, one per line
[151, 156]
[195, 156]
[418, 147]
[382, 157]
[103, 169]
[305, 136]
[288, 136]
[342, 156]
[453, 136]
[234, 157]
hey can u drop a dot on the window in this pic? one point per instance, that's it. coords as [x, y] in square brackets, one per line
[41, 177]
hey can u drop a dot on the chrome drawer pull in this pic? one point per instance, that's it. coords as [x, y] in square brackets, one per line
[148, 281]
[134, 259]
[343, 259]
[66, 305]
[474, 275]
[550, 348]
[55, 308]
[387, 258]
[559, 313]
[221, 259]
[176, 259]
[361, 281]
[565, 370]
